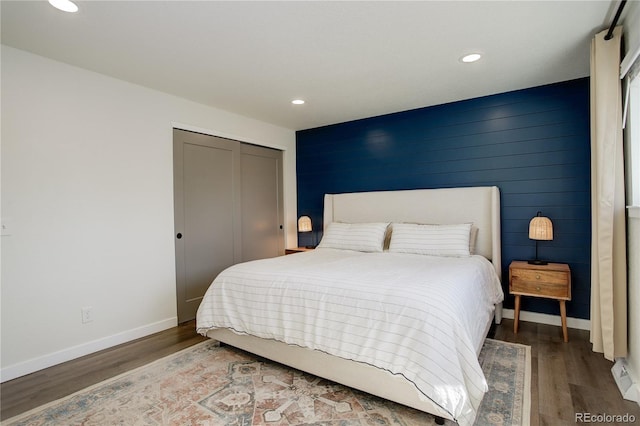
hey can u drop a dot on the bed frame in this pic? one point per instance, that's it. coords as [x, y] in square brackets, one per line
[480, 205]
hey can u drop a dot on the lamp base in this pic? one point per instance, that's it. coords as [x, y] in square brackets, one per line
[537, 262]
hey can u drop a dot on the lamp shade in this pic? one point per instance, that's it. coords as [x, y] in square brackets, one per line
[304, 224]
[541, 228]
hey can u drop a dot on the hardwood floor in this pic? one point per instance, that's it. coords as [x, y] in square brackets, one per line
[27, 392]
[567, 378]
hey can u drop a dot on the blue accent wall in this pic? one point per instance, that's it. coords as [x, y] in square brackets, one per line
[534, 144]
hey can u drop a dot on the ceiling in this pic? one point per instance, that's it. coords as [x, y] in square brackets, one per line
[347, 60]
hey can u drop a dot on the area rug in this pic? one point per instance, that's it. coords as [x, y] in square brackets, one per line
[212, 385]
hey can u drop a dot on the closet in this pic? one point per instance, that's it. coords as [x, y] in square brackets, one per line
[228, 206]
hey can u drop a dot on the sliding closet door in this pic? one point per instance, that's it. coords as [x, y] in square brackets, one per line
[262, 199]
[207, 214]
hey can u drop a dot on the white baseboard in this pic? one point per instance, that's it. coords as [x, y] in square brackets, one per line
[36, 364]
[578, 323]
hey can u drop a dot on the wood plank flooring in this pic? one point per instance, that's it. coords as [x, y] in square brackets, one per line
[27, 392]
[567, 378]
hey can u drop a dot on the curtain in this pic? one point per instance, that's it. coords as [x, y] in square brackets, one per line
[608, 239]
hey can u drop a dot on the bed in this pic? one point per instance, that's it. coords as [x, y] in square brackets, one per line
[382, 305]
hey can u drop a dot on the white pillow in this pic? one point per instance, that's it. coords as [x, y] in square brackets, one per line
[367, 237]
[435, 240]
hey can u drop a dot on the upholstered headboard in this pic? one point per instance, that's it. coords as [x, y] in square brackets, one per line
[480, 205]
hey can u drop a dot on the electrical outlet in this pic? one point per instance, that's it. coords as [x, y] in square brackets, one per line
[87, 314]
[5, 226]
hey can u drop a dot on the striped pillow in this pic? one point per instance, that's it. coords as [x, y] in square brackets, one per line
[366, 237]
[435, 240]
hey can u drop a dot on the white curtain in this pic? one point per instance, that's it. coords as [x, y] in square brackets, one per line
[608, 240]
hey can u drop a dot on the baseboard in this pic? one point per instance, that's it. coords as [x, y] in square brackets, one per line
[27, 367]
[577, 323]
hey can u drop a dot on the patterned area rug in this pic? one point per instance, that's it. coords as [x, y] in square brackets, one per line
[210, 385]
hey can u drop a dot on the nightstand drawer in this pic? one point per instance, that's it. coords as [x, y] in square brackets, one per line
[539, 283]
[535, 276]
[552, 280]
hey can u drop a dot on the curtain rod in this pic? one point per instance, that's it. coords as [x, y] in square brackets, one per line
[609, 35]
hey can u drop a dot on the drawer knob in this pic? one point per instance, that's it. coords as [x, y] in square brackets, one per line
[537, 277]
[538, 288]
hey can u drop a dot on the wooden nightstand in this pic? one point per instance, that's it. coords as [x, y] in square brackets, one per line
[297, 250]
[552, 281]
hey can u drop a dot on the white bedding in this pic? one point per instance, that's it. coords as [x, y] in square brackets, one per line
[423, 317]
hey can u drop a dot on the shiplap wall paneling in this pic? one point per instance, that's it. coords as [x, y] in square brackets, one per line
[533, 144]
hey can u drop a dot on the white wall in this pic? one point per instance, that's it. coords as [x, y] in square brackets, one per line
[631, 27]
[633, 357]
[87, 195]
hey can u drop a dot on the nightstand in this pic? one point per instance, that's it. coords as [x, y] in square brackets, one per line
[297, 250]
[552, 281]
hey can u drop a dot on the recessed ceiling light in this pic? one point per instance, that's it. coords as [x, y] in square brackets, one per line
[472, 57]
[297, 101]
[64, 5]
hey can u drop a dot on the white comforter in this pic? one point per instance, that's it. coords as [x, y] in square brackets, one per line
[419, 316]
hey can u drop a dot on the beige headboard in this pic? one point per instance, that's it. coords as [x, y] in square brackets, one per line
[480, 205]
